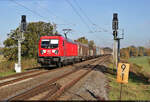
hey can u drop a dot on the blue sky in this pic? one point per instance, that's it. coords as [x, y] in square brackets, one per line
[134, 17]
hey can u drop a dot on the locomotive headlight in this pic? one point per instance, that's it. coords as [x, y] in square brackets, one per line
[53, 51]
[42, 52]
[56, 51]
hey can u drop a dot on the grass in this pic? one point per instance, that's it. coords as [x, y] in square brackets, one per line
[137, 88]
[141, 61]
[2, 74]
[7, 67]
[130, 91]
[1, 58]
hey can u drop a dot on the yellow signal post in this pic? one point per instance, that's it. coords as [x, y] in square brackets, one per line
[123, 73]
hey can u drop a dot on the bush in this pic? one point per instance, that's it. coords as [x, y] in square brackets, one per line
[7, 66]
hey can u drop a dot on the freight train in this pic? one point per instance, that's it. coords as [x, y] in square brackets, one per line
[59, 50]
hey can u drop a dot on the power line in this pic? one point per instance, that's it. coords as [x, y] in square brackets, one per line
[87, 17]
[74, 9]
[43, 17]
[47, 10]
[83, 12]
[54, 15]
[34, 12]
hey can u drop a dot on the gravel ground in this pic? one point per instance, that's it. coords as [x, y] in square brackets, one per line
[89, 88]
[62, 82]
[69, 78]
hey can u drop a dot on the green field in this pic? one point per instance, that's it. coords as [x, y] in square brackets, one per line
[141, 61]
[137, 88]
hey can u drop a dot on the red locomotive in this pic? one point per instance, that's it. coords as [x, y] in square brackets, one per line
[59, 50]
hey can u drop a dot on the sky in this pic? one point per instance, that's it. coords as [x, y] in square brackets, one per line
[89, 18]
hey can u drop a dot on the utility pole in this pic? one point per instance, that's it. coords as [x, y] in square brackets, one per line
[116, 47]
[20, 39]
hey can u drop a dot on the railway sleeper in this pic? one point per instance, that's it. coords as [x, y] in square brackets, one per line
[31, 93]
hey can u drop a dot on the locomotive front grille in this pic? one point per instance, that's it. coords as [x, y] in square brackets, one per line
[48, 60]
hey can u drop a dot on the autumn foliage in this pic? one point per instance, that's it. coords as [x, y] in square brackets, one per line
[133, 51]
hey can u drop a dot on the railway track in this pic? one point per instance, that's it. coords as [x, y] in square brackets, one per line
[18, 74]
[65, 87]
[52, 89]
[26, 75]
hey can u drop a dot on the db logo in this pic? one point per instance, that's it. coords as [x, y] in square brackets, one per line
[49, 52]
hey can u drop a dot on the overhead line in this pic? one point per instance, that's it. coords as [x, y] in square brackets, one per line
[87, 17]
[36, 13]
[54, 15]
[74, 9]
[83, 12]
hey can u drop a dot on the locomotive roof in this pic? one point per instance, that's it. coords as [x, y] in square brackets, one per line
[67, 39]
[70, 40]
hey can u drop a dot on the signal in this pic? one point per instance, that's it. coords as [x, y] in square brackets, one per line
[23, 23]
[115, 21]
[115, 25]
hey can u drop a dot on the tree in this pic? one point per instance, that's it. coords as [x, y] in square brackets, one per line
[124, 53]
[91, 44]
[148, 51]
[141, 51]
[82, 40]
[107, 50]
[30, 44]
[133, 51]
[1, 49]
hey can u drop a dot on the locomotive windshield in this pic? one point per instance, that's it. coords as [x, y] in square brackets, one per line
[49, 43]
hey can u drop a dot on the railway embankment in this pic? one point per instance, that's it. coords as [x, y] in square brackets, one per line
[138, 87]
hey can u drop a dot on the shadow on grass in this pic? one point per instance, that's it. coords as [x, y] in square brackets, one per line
[137, 78]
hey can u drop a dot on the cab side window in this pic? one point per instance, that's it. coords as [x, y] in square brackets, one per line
[63, 43]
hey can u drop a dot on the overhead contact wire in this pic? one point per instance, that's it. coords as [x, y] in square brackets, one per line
[74, 9]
